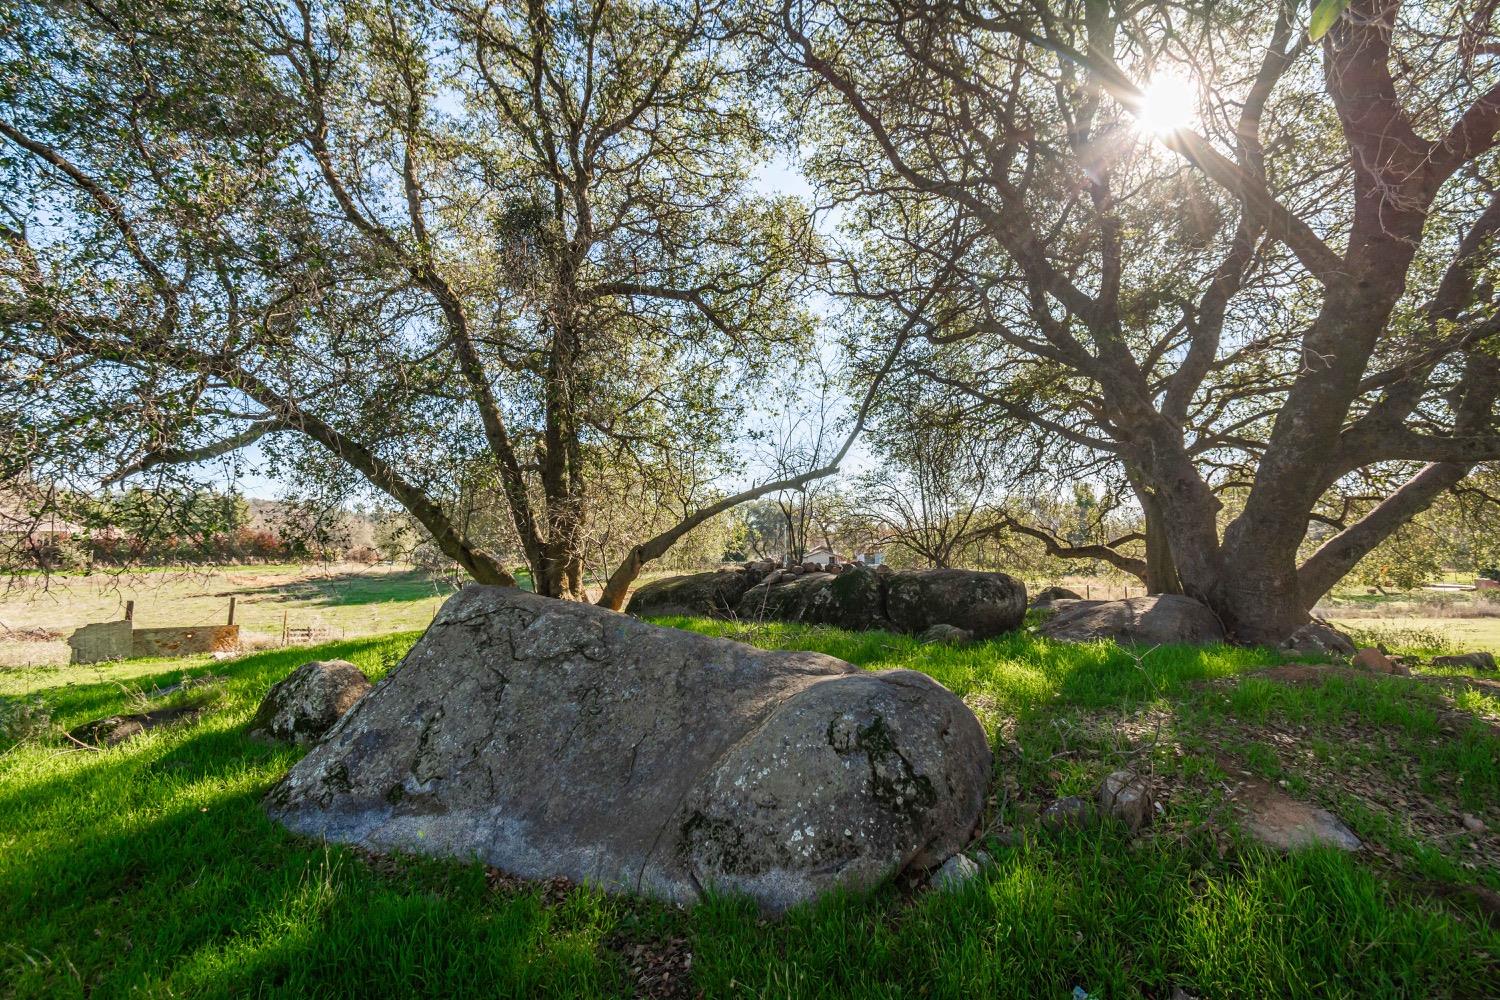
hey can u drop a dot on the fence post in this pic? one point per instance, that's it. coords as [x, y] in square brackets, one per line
[283, 628]
[130, 611]
[231, 610]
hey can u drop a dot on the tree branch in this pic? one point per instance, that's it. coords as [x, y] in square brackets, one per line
[186, 456]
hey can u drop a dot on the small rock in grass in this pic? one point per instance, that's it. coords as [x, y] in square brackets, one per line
[304, 706]
[1319, 639]
[1376, 661]
[1466, 661]
[953, 873]
[1286, 824]
[1123, 795]
[950, 635]
[1071, 811]
[1473, 823]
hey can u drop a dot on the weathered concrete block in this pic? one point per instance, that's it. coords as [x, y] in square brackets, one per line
[102, 641]
[177, 641]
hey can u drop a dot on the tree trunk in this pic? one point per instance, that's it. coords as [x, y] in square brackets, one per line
[1161, 569]
[1259, 600]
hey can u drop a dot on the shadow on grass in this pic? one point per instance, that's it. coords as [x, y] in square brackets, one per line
[153, 867]
[343, 589]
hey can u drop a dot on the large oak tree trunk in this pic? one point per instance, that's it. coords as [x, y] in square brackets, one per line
[1161, 569]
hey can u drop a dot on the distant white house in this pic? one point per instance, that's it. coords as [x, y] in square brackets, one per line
[823, 556]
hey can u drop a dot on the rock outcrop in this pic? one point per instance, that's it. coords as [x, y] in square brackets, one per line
[1142, 621]
[305, 704]
[557, 739]
[712, 594]
[849, 596]
[792, 597]
[118, 729]
[949, 635]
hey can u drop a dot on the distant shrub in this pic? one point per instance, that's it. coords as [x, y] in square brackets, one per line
[1428, 641]
[363, 554]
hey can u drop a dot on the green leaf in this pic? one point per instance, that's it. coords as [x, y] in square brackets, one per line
[1323, 16]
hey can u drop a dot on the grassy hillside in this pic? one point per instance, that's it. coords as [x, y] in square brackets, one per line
[150, 868]
[341, 600]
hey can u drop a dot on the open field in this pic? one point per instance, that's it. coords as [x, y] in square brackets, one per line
[150, 868]
[347, 600]
[343, 600]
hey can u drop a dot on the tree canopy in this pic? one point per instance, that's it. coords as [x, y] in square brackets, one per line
[1235, 261]
[450, 247]
[1249, 271]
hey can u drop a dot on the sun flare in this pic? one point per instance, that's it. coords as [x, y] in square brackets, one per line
[1167, 104]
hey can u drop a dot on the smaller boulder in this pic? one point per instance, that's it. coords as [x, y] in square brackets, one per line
[950, 635]
[793, 571]
[1377, 662]
[714, 594]
[1071, 812]
[986, 604]
[305, 705]
[1051, 595]
[1124, 796]
[1144, 621]
[758, 569]
[813, 567]
[953, 873]
[1318, 638]
[1466, 661]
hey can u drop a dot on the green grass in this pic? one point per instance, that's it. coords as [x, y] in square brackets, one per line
[150, 869]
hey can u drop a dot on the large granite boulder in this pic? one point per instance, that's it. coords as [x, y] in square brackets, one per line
[1143, 621]
[557, 739]
[712, 594]
[305, 704]
[984, 604]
